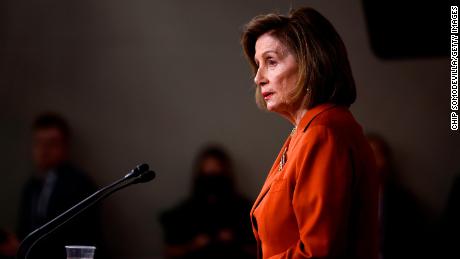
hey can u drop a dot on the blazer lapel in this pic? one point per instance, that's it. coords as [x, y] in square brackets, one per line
[270, 177]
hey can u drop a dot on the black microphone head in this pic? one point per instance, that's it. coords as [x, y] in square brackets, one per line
[140, 169]
[145, 177]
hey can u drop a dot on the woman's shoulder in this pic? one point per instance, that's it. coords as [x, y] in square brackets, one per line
[337, 120]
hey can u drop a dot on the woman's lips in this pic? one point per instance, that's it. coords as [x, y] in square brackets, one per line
[267, 95]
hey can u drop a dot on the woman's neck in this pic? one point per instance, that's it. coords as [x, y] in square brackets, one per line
[299, 115]
[295, 115]
[297, 111]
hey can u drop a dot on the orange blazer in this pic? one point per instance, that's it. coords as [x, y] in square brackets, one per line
[323, 202]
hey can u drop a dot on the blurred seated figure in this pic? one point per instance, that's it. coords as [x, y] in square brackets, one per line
[402, 228]
[8, 245]
[55, 186]
[214, 221]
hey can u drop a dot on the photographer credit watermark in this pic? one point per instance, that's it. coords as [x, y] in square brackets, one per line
[454, 67]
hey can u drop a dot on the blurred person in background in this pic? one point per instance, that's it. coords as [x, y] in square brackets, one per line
[212, 222]
[55, 186]
[320, 199]
[402, 223]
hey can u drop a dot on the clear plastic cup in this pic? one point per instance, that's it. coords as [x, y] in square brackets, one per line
[80, 252]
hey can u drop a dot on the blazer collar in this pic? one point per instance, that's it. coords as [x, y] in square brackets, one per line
[312, 113]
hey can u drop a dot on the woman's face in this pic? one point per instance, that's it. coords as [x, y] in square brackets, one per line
[277, 73]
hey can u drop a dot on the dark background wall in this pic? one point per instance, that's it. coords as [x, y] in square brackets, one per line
[152, 81]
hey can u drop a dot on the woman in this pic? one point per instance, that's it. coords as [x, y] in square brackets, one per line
[320, 197]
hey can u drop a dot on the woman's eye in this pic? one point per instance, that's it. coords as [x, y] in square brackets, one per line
[271, 62]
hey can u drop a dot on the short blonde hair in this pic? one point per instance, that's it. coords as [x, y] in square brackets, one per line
[324, 70]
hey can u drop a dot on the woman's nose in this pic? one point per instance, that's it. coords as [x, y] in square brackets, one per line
[260, 79]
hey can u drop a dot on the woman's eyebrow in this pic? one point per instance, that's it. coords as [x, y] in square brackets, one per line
[266, 53]
[269, 51]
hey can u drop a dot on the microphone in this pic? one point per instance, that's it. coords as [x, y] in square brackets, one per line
[140, 174]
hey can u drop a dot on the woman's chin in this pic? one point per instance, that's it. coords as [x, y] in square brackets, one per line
[272, 107]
